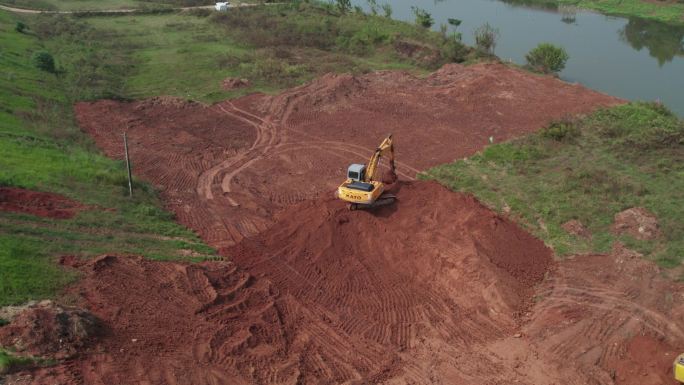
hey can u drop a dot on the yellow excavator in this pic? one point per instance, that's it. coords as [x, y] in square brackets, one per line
[679, 369]
[362, 189]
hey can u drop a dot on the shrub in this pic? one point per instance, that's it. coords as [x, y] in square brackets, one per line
[639, 126]
[486, 37]
[547, 58]
[387, 10]
[454, 22]
[423, 17]
[453, 50]
[373, 5]
[344, 6]
[562, 130]
[44, 61]
[20, 27]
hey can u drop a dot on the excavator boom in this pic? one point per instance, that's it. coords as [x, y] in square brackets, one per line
[386, 148]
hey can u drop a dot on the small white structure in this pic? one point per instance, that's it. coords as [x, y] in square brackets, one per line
[222, 7]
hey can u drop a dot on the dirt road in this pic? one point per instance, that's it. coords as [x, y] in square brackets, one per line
[435, 289]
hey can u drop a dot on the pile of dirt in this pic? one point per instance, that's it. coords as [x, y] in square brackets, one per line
[434, 248]
[417, 51]
[42, 204]
[234, 83]
[167, 101]
[637, 222]
[49, 331]
[576, 228]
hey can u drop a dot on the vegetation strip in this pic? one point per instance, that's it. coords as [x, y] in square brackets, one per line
[587, 170]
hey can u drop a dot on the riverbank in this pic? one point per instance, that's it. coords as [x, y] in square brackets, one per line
[670, 12]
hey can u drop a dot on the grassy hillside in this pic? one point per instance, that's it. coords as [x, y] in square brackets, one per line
[134, 56]
[98, 5]
[589, 170]
[189, 54]
[43, 149]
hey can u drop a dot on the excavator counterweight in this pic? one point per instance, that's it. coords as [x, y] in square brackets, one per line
[361, 188]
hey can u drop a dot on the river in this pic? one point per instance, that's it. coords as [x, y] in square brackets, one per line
[632, 58]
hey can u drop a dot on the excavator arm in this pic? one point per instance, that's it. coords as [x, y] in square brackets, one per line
[386, 148]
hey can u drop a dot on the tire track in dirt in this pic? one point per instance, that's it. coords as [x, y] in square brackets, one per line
[594, 307]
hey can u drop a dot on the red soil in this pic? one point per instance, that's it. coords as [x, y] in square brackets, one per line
[50, 331]
[613, 318]
[325, 296]
[435, 289]
[226, 169]
[42, 204]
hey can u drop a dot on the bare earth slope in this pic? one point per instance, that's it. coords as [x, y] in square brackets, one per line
[436, 289]
[358, 300]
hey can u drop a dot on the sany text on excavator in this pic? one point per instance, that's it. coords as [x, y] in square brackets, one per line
[362, 189]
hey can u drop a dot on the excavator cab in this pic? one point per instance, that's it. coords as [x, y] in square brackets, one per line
[361, 189]
[356, 172]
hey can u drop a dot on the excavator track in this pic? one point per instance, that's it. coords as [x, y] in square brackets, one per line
[384, 200]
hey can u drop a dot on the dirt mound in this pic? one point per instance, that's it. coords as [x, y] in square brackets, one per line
[234, 83]
[417, 51]
[42, 204]
[49, 331]
[437, 259]
[637, 222]
[576, 228]
[166, 101]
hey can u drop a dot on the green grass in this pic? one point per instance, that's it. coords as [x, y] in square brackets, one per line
[189, 56]
[626, 156]
[98, 5]
[43, 149]
[10, 362]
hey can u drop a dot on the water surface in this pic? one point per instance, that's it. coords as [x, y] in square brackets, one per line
[631, 58]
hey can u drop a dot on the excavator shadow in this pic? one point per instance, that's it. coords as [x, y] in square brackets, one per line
[388, 210]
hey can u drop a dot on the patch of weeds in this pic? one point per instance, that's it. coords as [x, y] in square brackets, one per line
[589, 170]
[11, 363]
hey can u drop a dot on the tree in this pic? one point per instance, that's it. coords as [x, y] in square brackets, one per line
[344, 6]
[547, 58]
[486, 37]
[20, 27]
[387, 9]
[43, 60]
[454, 22]
[423, 17]
[373, 5]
